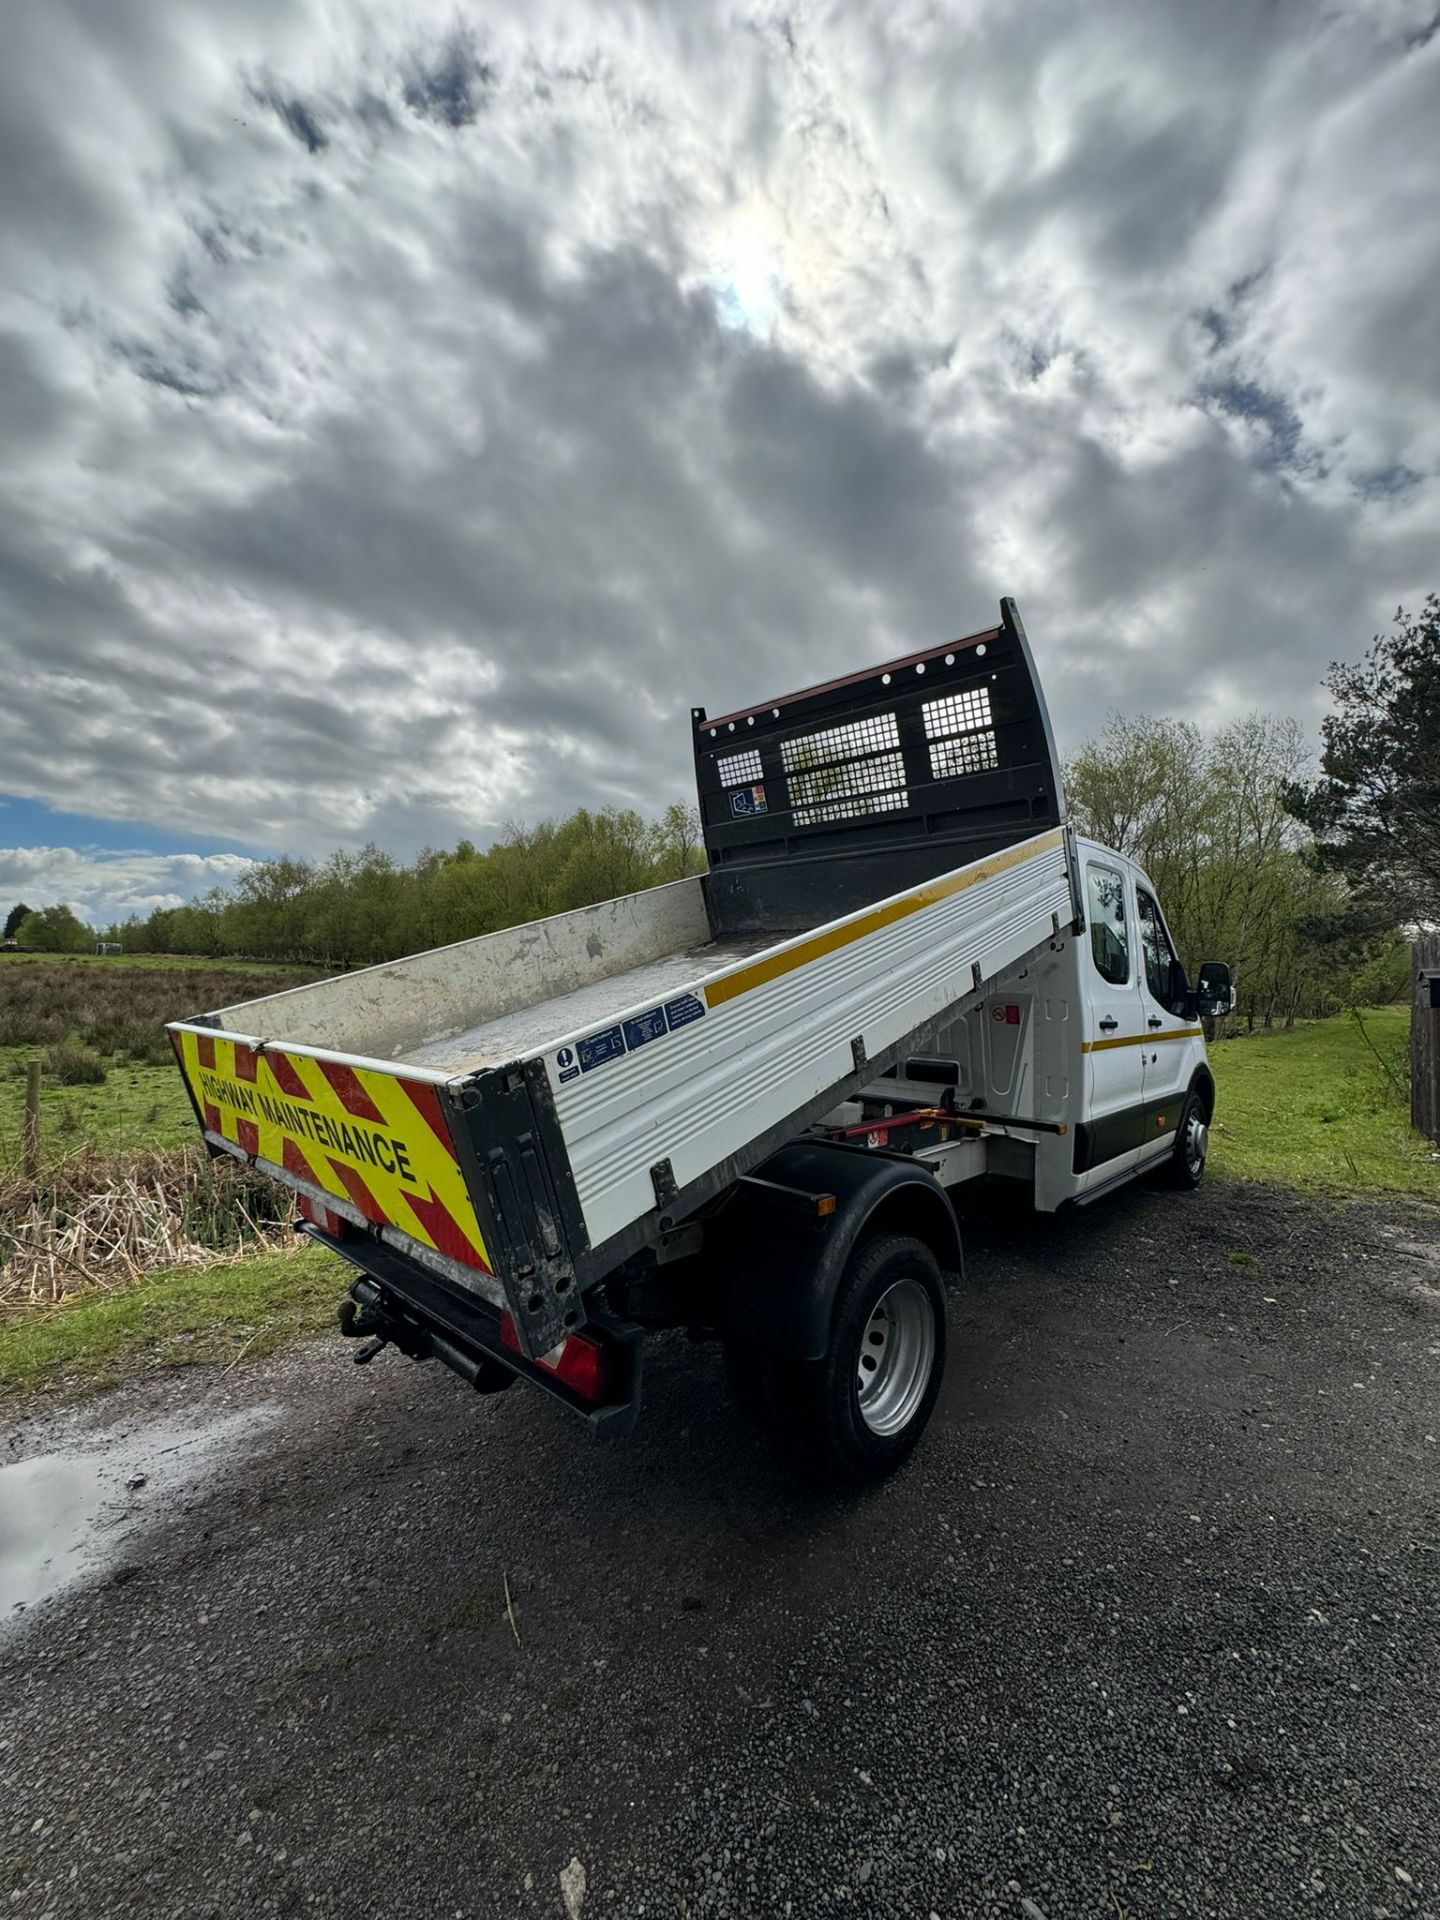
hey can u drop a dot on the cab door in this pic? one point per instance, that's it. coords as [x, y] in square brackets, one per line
[1108, 1138]
[1167, 1054]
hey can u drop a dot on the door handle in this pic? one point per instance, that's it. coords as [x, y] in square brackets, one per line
[1153, 1022]
[1109, 1024]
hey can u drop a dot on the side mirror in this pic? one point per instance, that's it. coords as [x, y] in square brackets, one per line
[1215, 991]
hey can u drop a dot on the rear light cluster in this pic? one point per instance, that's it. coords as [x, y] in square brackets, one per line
[578, 1361]
[323, 1218]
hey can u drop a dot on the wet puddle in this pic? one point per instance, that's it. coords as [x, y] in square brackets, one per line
[65, 1517]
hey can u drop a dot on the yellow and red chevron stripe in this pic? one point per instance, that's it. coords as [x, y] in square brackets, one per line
[374, 1139]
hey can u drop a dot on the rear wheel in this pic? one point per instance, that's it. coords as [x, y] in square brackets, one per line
[1186, 1166]
[859, 1410]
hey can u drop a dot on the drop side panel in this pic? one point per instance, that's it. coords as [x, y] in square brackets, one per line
[695, 1083]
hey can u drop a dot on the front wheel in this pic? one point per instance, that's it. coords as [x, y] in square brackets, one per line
[1185, 1167]
[859, 1410]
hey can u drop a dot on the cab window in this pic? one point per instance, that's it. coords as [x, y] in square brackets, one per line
[1109, 936]
[1162, 970]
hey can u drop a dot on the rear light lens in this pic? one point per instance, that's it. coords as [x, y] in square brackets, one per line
[579, 1360]
[323, 1218]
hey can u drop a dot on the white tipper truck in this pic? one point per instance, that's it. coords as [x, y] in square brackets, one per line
[739, 1103]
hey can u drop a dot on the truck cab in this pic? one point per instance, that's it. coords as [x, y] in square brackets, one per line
[1144, 1072]
[1081, 1068]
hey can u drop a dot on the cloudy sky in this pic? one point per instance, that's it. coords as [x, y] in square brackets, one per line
[408, 412]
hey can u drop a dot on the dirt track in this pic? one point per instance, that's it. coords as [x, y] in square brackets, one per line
[1149, 1626]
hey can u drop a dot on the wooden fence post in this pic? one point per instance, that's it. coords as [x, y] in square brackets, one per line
[31, 1148]
[1424, 1039]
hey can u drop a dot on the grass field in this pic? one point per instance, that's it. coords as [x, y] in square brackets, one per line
[135, 1106]
[179, 1319]
[1315, 1108]
[164, 962]
[109, 1076]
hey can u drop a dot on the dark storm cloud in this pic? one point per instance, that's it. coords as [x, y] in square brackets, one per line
[1280, 423]
[296, 118]
[450, 85]
[405, 438]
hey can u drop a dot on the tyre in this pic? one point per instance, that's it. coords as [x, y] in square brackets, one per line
[858, 1412]
[1185, 1167]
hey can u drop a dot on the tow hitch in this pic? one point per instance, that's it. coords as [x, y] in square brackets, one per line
[367, 1316]
[357, 1319]
[594, 1372]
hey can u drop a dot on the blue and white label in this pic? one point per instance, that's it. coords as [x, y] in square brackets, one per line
[600, 1047]
[683, 1009]
[645, 1026]
[748, 800]
[597, 1049]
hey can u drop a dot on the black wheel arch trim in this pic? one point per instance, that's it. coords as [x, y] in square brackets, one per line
[1202, 1081]
[778, 1262]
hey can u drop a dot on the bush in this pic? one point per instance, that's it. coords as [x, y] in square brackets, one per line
[74, 1066]
[118, 1009]
[154, 1052]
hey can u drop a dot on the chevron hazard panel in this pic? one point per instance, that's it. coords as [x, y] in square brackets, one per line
[373, 1139]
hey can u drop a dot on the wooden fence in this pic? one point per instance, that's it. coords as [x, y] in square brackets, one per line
[1425, 1040]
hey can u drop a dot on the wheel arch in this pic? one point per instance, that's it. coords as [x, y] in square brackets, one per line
[1202, 1082]
[778, 1260]
[922, 1211]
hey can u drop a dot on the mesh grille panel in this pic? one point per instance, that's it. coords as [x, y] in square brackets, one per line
[874, 734]
[957, 713]
[739, 769]
[876, 785]
[848, 809]
[970, 753]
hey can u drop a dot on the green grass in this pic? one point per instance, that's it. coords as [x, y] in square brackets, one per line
[1314, 1108]
[166, 962]
[137, 1106]
[180, 1318]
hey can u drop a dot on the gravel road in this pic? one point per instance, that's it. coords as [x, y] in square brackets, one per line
[1148, 1627]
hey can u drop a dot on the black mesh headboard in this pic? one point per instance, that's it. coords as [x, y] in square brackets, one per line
[820, 802]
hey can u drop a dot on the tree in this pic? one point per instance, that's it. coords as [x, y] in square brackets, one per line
[356, 908]
[1375, 811]
[12, 919]
[54, 930]
[1208, 820]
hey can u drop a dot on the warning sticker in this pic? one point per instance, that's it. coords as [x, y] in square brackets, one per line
[680, 1011]
[600, 1047]
[645, 1026]
[747, 800]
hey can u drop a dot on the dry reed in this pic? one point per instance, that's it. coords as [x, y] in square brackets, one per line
[95, 1219]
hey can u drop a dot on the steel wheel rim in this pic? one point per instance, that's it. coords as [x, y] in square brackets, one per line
[1197, 1143]
[897, 1357]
